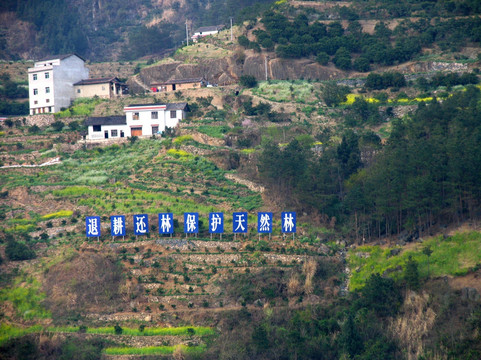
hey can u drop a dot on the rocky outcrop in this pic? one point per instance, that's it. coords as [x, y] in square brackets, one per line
[225, 71]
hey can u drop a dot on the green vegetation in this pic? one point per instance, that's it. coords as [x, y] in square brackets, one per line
[148, 331]
[453, 255]
[156, 350]
[8, 332]
[283, 91]
[425, 173]
[80, 107]
[26, 298]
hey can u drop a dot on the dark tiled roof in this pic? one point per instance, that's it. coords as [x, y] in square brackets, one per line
[180, 81]
[99, 81]
[106, 120]
[61, 57]
[209, 28]
[177, 106]
[144, 105]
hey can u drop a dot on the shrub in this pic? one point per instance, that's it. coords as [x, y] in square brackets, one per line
[322, 58]
[118, 329]
[58, 125]
[17, 251]
[248, 81]
[34, 129]
[243, 41]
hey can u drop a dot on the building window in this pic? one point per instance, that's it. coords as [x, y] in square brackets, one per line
[97, 127]
[173, 114]
[47, 75]
[135, 116]
[155, 115]
[47, 90]
[49, 109]
[48, 100]
[155, 129]
[78, 91]
[34, 76]
[35, 91]
[113, 133]
[35, 102]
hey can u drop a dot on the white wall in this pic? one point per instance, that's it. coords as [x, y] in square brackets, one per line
[62, 75]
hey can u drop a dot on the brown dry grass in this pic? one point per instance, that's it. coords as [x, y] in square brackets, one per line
[294, 285]
[309, 270]
[414, 323]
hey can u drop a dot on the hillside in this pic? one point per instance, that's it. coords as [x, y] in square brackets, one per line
[367, 127]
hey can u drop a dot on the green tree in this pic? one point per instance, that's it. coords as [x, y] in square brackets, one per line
[248, 81]
[411, 274]
[334, 94]
[17, 251]
[350, 339]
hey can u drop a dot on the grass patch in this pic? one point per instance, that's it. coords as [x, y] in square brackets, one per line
[300, 91]
[156, 350]
[178, 153]
[456, 256]
[154, 331]
[213, 131]
[58, 214]
[182, 139]
[26, 298]
[8, 332]
[80, 107]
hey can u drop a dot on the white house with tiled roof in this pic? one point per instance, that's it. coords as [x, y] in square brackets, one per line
[142, 120]
[51, 82]
[206, 31]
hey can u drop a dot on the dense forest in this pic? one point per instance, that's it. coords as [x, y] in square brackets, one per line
[427, 173]
[351, 48]
[97, 29]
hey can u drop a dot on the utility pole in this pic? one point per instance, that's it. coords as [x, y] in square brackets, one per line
[265, 65]
[231, 35]
[186, 33]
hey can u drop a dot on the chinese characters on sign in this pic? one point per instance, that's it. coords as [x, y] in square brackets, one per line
[117, 225]
[141, 224]
[216, 223]
[92, 224]
[191, 223]
[264, 222]
[239, 223]
[166, 223]
[289, 222]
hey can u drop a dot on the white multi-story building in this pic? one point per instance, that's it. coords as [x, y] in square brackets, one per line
[51, 82]
[142, 120]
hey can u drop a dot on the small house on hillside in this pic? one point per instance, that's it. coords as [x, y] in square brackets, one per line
[206, 31]
[143, 120]
[178, 84]
[107, 88]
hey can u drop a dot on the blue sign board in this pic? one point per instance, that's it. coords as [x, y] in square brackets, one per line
[239, 222]
[191, 223]
[92, 225]
[289, 222]
[216, 223]
[166, 223]
[117, 225]
[264, 222]
[141, 224]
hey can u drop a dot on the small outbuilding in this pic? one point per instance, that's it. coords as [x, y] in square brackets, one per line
[178, 84]
[107, 88]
